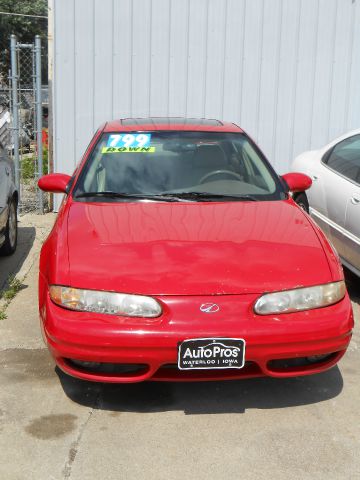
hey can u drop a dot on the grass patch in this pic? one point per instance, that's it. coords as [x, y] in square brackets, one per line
[13, 286]
[28, 170]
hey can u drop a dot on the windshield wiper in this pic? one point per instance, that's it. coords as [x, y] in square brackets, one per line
[136, 196]
[212, 196]
[169, 197]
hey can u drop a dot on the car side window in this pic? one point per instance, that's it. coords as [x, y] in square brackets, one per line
[344, 158]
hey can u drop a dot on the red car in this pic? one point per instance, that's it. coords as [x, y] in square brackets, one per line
[179, 254]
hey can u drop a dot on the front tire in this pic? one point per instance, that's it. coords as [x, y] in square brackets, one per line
[302, 200]
[11, 231]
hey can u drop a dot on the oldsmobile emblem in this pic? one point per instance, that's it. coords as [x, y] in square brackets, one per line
[209, 308]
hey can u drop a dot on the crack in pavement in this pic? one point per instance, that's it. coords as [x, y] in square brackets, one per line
[74, 447]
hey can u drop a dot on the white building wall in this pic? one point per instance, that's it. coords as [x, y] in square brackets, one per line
[287, 71]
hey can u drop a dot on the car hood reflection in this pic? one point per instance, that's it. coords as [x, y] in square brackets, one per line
[193, 248]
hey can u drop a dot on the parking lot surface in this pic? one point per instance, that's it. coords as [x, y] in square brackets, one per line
[55, 427]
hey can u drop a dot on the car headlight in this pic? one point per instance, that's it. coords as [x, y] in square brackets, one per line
[300, 299]
[105, 302]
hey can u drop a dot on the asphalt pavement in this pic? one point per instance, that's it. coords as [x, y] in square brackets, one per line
[55, 427]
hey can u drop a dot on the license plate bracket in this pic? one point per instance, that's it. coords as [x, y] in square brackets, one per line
[211, 353]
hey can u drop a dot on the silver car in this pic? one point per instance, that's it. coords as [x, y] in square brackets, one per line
[8, 205]
[334, 198]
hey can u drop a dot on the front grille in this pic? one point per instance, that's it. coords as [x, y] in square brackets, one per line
[172, 372]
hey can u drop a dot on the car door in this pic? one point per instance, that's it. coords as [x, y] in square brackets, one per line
[352, 219]
[352, 226]
[340, 174]
[328, 199]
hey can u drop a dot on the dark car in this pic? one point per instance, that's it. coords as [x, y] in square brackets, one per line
[8, 205]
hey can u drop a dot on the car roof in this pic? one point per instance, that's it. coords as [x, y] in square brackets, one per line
[170, 123]
[342, 137]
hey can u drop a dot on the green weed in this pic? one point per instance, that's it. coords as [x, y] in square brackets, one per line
[13, 286]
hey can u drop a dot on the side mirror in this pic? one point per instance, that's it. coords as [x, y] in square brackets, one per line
[297, 182]
[54, 182]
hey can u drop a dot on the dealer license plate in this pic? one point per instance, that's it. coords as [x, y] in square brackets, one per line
[211, 353]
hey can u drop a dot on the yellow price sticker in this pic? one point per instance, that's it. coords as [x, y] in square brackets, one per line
[128, 150]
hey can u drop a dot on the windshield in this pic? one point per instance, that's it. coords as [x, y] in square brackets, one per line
[193, 165]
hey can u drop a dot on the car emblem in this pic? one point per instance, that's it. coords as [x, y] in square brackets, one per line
[209, 308]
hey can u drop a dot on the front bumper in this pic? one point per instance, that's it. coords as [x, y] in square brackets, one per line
[152, 344]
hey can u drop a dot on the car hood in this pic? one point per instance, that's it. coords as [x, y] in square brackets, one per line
[193, 248]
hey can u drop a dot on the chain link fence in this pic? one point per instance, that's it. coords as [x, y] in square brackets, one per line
[22, 110]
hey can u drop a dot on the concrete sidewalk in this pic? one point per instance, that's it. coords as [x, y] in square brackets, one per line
[56, 427]
[23, 332]
[39, 424]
